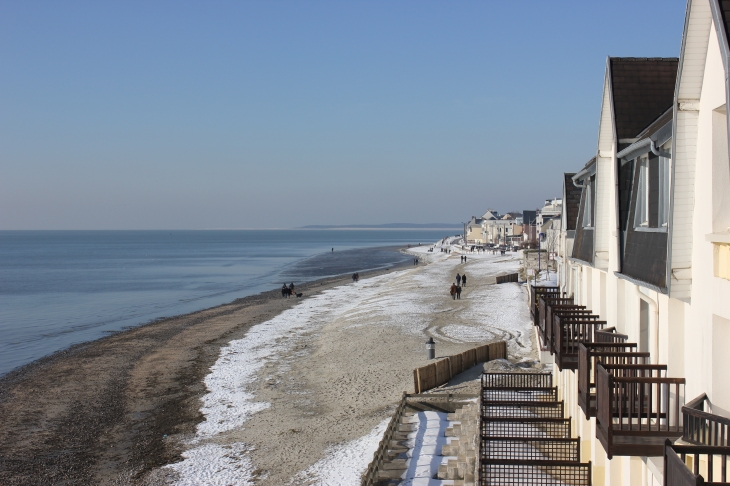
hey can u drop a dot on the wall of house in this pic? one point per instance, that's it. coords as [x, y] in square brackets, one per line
[707, 325]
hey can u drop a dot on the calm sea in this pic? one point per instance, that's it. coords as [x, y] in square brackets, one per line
[59, 288]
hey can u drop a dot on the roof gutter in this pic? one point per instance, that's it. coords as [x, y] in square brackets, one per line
[634, 147]
[581, 175]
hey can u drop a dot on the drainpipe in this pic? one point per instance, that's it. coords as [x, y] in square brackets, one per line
[659, 153]
[653, 319]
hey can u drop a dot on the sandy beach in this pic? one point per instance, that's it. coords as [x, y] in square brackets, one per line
[264, 390]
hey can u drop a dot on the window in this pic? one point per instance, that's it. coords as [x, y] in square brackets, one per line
[663, 192]
[641, 214]
[651, 209]
[588, 206]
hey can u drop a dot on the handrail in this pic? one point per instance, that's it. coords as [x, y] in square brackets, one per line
[702, 427]
[697, 403]
[371, 474]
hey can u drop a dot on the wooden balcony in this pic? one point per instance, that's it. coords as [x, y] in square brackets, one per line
[545, 305]
[556, 312]
[610, 353]
[535, 293]
[692, 465]
[636, 414]
[569, 330]
[706, 457]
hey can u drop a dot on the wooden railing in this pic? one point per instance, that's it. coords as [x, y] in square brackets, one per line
[517, 380]
[371, 474]
[610, 353]
[564, 311]
[609, 335]
[635, 414]
[568, 332]
[705, 428]
[692, 465]
[535, 293]
[544, 304]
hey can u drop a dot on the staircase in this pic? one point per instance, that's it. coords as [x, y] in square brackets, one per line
[433, 446]
[524, 437]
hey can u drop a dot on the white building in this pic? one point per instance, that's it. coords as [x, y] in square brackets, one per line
[649, 253]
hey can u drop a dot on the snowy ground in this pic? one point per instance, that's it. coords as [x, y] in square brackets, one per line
[304, 397]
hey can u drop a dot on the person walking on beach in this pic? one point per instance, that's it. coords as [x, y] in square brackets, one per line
[458, 279]
[452, 291]
[463, 280]
[285, 291]
[464, 258]
[458, 292]
[291, 288]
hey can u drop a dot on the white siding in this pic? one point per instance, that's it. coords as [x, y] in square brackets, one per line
[695, 50]
[604, 174]
[684, 183]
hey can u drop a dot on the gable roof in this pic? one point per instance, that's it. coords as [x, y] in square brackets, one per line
[642, 90]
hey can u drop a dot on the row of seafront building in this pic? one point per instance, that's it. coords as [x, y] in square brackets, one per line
[513, 228]
[645, 244]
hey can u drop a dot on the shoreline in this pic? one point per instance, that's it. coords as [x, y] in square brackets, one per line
[92, 395]
[129, 408]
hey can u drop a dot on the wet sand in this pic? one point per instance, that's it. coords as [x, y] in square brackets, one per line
[101, 412]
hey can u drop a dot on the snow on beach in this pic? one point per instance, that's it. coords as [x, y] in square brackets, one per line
[412, 303]
[343, 464]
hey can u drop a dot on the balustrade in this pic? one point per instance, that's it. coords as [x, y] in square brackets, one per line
[635, 414]
[589, 354]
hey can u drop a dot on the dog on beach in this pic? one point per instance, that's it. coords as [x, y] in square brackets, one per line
[299, 294]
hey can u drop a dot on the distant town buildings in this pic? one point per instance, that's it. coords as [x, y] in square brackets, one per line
[512, 228]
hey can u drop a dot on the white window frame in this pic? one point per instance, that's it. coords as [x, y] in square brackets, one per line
[641, 208]
[588, 206]
[664, 188]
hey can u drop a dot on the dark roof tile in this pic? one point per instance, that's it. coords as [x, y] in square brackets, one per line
[643, 89]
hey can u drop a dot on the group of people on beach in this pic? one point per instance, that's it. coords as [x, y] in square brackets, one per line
[463, 259]
[415, 261]
[355, 277]
[288, 291]
[455, 290]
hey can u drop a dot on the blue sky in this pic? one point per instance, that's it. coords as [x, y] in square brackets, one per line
[194, 115]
